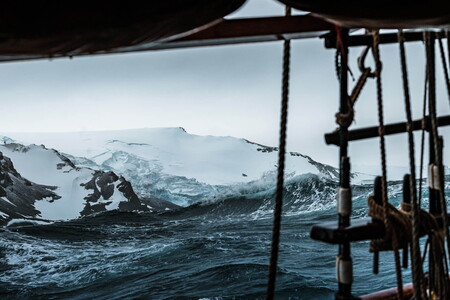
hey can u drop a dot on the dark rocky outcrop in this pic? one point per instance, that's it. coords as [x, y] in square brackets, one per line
[18, 195]
[134, 203]
[103, 186]
[327, 170]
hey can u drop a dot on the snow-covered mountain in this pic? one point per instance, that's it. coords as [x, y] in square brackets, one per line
[37, 182]
[171, 164]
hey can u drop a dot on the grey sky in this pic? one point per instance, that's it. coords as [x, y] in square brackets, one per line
[231, 90]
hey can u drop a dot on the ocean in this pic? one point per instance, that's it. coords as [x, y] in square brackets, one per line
[211, 250]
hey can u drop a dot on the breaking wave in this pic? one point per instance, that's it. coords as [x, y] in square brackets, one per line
[216, 249]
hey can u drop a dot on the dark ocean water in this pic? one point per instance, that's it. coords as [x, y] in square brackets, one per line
[211, 251]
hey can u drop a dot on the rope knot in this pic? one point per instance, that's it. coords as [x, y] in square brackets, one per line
[381, 130]
[398, 227]
[408, 127]
[424, 124]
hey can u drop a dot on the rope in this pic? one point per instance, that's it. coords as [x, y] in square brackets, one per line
[438, 281]
[387, 224]
[444, 66]
[434, 131]
[422, 153]
[398, 273]
[438, 271]
[428, 221]
[342, 119]
[434, 134]
[398, 235]
[447, 35]
[339, 50]
[417, 270]
[280, 178]
[345, 120]
[422, 142]
[381, 129]
[337, 63]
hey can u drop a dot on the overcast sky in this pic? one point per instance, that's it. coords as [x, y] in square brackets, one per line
[226, 91]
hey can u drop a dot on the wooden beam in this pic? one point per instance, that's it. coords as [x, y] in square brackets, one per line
[371, 132]
[254, 30]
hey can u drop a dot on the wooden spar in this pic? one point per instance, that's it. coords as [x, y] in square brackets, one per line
[253, 30]
[371, 132]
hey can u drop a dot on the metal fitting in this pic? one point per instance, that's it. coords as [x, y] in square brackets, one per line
[434, 181]
[344, 270]
[344, 201]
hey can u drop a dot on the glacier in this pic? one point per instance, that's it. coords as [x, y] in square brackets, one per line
[171, 164]
[150, 169]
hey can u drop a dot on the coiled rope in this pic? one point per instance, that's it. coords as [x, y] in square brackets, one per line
[281, 160]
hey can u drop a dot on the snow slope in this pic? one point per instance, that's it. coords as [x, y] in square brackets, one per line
[40, 182]
[171, 164]
[40, 165]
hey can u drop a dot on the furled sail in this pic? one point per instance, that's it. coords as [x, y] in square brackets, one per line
[59, 28]
[379, 13]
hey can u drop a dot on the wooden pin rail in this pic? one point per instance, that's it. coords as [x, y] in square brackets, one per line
[371, 132]
[360, 230]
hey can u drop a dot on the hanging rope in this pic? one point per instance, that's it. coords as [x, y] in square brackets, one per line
[435, 136]
[422, 154]
[417, 271]
[422, 141]
[280, 178]
[444, 65]
[434, 126]
[447, 36]
[340, 59]
[381, 127]
[387, 224]
[438, 272]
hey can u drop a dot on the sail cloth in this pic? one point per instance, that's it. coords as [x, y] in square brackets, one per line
[377, 14]
[61, 28]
